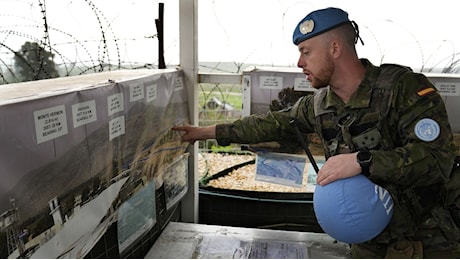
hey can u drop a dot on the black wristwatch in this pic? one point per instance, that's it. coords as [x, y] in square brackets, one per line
[364, 159]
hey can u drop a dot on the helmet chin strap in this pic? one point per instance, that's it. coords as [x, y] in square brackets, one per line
[304, 145]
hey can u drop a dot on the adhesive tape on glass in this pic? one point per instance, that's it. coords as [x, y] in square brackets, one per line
[352, 210]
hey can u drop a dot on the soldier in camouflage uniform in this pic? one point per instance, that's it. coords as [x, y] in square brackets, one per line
[389, 115]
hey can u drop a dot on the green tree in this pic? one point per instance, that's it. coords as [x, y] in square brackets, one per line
[33, 62]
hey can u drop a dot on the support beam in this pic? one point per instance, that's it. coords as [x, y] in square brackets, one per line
[188, 47]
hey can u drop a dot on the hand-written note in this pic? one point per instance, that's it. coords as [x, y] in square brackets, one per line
[136, 91]
[115, 103]
[267, 82]
[151, 92]
[50, 123]
[116, 127]
[84, 113]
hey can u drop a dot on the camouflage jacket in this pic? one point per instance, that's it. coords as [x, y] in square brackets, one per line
[402, 160]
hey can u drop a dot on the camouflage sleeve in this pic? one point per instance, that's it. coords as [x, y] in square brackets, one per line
[272, 126]
[424, 147]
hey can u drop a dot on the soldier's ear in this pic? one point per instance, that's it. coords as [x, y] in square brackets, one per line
[336, 48]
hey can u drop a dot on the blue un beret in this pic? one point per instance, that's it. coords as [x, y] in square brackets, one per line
[318, 22]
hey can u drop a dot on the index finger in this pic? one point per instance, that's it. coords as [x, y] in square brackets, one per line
[180, 128]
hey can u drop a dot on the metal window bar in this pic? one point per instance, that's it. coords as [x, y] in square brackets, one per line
[220, 101]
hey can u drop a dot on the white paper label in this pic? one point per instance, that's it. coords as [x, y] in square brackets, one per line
[116, 127]
[302, 84]
[151, 92]
[448, 88]
[246, 95]
[179, 84]
[115, 103]
[50, 123]
[84, 113]
[136, 91]
[266, 82]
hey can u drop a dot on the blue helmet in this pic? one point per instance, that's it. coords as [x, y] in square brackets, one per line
[352, 210]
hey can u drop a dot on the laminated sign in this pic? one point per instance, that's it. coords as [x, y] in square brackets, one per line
[279, 168]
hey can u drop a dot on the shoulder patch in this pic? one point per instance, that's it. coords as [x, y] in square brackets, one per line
[425, 91]
[427, 129]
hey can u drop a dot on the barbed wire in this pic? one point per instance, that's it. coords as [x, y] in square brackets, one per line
[75, 52]
[89, 55]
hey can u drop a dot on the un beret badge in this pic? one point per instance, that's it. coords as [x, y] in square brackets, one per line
[307, 26]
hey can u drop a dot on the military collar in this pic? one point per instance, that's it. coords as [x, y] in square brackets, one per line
[363, 95]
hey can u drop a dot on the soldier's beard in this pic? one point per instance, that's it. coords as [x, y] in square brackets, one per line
[323, 77]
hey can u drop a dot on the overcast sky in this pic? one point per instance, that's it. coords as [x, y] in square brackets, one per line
[415, 33]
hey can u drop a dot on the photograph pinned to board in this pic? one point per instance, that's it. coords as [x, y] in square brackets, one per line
[279, 168]
[286, 169]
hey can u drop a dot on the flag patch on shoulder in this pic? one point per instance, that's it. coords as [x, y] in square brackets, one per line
[425, 91]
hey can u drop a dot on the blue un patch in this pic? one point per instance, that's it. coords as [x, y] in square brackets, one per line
[427, 129]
